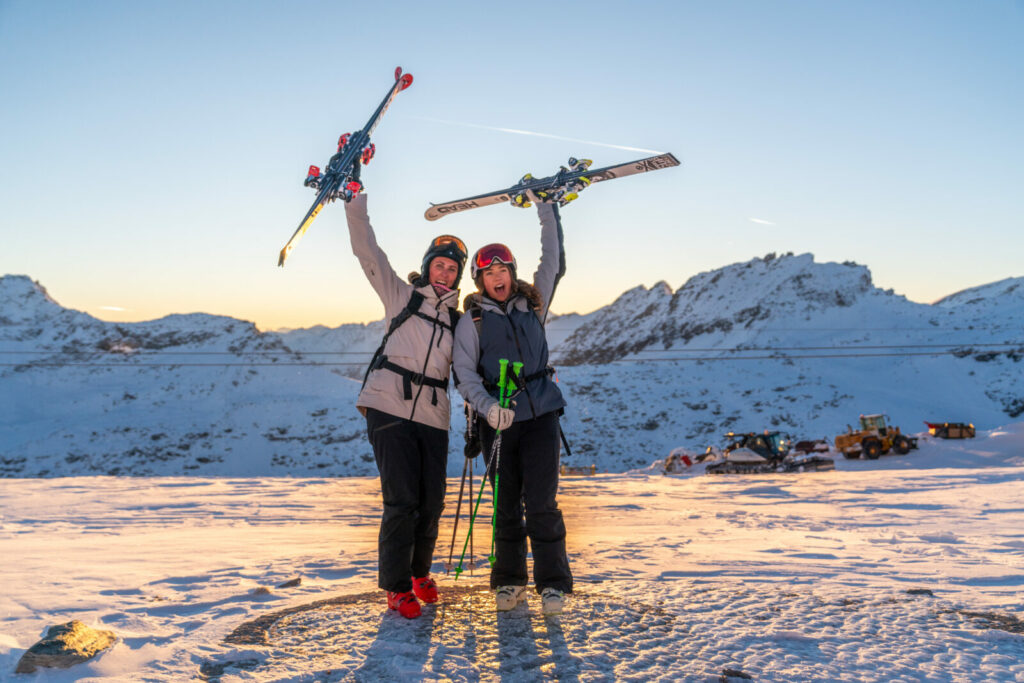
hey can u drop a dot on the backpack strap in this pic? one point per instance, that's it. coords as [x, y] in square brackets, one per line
[409, 378]
[476, 313]
[411, 308]
[431, 319]
[415, 300]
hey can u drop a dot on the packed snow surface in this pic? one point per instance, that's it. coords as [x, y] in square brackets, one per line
[906, 568]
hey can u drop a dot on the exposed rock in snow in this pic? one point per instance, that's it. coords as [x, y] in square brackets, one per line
[64, 646]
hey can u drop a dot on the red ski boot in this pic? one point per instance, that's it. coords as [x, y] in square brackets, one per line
[406, 604]
[425, 589]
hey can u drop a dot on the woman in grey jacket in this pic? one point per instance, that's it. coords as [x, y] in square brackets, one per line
[504, 319]
[405, 401]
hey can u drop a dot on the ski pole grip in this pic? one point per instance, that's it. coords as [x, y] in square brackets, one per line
[510, 384]
[502, 380]
[502, 372]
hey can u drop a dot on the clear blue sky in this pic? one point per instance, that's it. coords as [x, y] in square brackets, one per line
[153, 152]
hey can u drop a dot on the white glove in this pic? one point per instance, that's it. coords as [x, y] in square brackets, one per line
[500, 418]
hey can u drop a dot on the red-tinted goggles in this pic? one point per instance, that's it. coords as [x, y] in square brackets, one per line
[489, 255]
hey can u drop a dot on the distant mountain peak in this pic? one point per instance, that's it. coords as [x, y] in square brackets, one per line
[13, 287]
[741, 297]
[994, 293]
[22, 300]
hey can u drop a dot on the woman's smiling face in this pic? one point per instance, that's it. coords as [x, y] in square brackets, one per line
[443, 272]
[498, 282]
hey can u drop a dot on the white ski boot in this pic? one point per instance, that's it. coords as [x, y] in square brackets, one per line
[507, 597]
[552, 601]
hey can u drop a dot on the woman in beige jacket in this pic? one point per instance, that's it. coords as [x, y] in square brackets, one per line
[405, 401]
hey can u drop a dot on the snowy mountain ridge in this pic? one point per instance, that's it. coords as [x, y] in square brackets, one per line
[750, 304]
[780, 342]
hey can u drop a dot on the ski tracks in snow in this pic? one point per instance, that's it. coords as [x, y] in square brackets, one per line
[841, 576]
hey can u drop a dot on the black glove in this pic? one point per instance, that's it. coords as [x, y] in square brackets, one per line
[474, 446]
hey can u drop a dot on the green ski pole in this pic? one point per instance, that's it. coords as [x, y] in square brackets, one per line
[503, 394]
[507, 390]
[517, 368]
[472, 519]
[495, 446]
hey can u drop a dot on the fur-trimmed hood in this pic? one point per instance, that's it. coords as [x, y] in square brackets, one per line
[521, 289]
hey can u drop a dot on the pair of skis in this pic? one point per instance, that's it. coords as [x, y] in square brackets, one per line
[560, 188]
[340, 179]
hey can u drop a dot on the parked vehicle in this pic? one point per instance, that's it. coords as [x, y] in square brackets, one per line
[768, 452]
[951, 430]
[874, 438]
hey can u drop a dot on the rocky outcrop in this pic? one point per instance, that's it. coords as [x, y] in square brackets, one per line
[64, 646]
[735, 302]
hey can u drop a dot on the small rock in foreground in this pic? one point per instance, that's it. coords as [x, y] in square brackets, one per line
[64, 646]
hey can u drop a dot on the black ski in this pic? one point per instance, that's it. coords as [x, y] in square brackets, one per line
[562, 183]
[340, 179]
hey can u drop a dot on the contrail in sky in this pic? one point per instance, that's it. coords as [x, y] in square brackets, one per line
[539, 135]
[113, 308]
[758, 220]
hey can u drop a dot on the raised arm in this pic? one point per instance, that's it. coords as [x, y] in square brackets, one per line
[552, 254]
[391, 289]
[465, 358]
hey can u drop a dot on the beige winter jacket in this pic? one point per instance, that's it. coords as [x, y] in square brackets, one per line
[418, 345]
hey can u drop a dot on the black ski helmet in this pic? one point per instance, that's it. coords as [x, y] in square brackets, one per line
[448, 246]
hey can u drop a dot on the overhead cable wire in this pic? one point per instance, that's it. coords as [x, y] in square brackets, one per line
[826, 348]
[35, 364]
[690, 359]
[161, 352]
[798, 357]
[852, 347]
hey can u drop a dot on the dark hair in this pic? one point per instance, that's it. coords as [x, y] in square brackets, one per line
[523, 287]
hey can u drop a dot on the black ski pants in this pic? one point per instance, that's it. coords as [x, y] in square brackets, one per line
[528, 482]
[412, 459]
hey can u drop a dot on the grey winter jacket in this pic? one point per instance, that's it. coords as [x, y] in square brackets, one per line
[513, 331]
[417, 345]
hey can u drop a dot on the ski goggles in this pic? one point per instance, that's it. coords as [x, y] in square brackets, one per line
[445, 240]
[487, 256]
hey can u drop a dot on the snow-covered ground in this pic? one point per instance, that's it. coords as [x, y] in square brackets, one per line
[799, 577]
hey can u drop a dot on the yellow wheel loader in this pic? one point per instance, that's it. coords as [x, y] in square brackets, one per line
[874, 438]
